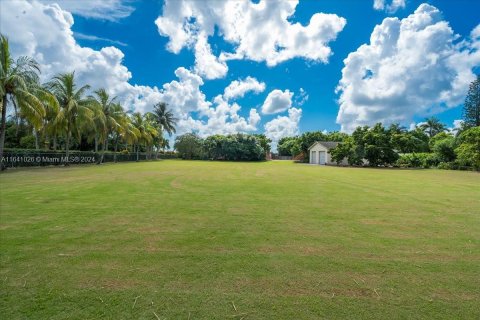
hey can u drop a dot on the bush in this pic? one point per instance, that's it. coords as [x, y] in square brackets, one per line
[468, 151]
[27, 142]
[418, 160]
[32, 158]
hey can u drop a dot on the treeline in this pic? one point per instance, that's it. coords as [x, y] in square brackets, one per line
[234, 147]
[428, 145]
[60, 114]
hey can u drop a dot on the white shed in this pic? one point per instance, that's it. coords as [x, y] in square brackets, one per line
[320, 153]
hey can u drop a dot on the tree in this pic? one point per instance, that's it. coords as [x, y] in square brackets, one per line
[50, 105]
[432, 126]
[378, 146]
[468, 151]
[286, 145]
[75, 109]
[346, 150]
[189, 146]
[108, 116]
[443, 145]
[146, 130]
[164, 117]
[15, 78]
[471, 107]
[264, 142]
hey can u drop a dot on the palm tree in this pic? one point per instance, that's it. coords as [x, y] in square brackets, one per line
[123, 130]
[75, 109]
[146, 129]
[15, 78]
[50, 104]
[164, 117]
[432, 126]
[109, 115]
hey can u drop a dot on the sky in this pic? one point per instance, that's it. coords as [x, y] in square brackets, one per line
[274, 67]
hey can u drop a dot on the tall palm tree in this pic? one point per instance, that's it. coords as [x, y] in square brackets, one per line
[432, 126]
[165, 117]
[15, 78]
[146, 129]
[74, 107]
[51, 106]
[109, 116]
[123, 130]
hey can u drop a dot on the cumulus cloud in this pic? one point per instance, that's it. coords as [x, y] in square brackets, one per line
[283, 126]
[111, 10]
[259, 32]
[43, 31]
[238, 88]
[391, 8]
[413, 66]
[277, 101]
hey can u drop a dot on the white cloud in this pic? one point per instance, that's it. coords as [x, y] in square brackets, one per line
[301, 97]
[259, 31]
[283, 126]
[110, 10]
[475, 34]
[413, 66]
[238, 88]
[277, 101]
[391, 8]
[457, 125]
[206, 64]
[79, 35]
[43, 31]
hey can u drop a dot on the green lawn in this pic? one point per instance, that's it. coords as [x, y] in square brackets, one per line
[216, 240]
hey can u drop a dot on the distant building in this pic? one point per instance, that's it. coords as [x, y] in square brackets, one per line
[320, 153]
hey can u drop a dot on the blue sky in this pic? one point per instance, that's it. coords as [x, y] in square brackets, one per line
[151, 63]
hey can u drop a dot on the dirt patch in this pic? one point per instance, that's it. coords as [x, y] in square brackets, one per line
[176, 184]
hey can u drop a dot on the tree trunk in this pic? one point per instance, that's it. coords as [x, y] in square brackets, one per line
[103, 151]
[37, 145]
[67, 146]
[46, 144]
[55, 142]
[115, 151]
[96, 143]
[138, 148]
[3, 127]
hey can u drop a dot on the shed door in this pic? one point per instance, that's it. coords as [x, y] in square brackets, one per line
[313, 157]
[322, 157]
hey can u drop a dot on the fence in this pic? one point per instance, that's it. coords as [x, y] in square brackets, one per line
[35, 158]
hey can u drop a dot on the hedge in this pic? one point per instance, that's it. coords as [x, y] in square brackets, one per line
[34, 158]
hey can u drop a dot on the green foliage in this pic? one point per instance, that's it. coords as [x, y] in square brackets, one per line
[471, 107]
[433, 126]
[409, 141]
[27, 142]
[234, 147]
[264, 142]
[286, 146]
[189, 146]
[468, 150]
[444, 147]
[346, 149]
[418, 160]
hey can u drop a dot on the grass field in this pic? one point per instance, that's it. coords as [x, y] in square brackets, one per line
[214, 240]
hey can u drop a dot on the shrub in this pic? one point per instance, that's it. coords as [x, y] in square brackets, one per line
[27, 142]
[418, 160]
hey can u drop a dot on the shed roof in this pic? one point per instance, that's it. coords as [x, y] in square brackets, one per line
[327, 144]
